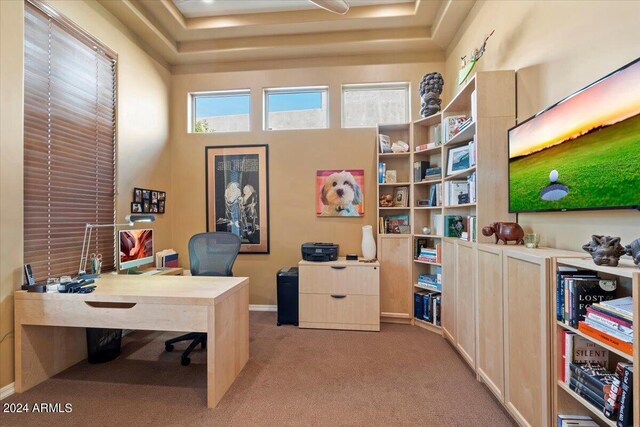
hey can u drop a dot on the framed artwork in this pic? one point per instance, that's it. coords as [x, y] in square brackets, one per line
[457, 159]
[237, 191]
[148, 201]
[340, 192]
[401, 197]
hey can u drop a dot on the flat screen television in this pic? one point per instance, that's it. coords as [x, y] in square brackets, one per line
[135, 248]
[582, 153]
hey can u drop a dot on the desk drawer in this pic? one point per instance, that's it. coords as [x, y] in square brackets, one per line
[339, 309]
[155, 317]
[349, 280]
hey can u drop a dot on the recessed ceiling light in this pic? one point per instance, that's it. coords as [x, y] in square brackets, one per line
[208, 1]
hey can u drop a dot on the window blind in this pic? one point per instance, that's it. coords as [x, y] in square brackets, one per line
[69, 144]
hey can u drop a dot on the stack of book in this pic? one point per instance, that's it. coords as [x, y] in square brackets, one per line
[610, 321]
[432, 280]
[426, 306]
[576, 290]
[432, 173]
[430, 254]
[167, 258]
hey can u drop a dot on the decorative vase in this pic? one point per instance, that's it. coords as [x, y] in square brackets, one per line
[368, 243]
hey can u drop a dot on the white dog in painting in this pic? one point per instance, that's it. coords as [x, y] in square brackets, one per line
[340, 195]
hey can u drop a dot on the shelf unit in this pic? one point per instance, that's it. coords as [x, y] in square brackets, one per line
[394, 250]
[565, 400]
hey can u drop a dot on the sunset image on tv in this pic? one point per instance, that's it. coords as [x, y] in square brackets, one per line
[582, 153]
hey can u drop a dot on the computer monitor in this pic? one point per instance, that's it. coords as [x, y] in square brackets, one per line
[135, 248]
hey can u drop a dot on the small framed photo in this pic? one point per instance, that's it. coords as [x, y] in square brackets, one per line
[401, 197]
[154, 197]
[457, 159]
[137, 196]
[161, 206]
[136, 207]
[146, 206]
[162, 195]
[385, 143]
[154, 208]
[390, 177]
[146, 194]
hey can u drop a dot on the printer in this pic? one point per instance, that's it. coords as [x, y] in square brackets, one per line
[320, 252]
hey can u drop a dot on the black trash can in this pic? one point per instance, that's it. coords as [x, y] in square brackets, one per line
[103, 345]
[287, 281]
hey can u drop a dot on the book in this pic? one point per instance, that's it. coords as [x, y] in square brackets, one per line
[625, 413]
[438, 222]
[585, 351]
[420, 170]
[451, 125]
[606, 329]
[418, 305]
[170, 260]
[625, 347]
[612, 400]
[561, 274]
[586, 395]
[575, 420]
[382, 169]
[453, 225]
[593, 377]
[621, 324]
[623, 306]
[591, 396]
[397, 224]
[586, 291]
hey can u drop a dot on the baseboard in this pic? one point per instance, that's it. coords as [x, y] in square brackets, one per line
[260, 307]
[7, 390]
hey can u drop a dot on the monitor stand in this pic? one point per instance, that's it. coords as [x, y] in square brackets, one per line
[134, 270]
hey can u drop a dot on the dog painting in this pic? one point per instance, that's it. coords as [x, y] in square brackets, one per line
[340, 192]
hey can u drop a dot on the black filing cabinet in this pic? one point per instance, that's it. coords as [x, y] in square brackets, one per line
[287, 279]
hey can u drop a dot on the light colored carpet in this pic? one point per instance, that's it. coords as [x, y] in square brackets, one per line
[400, 376]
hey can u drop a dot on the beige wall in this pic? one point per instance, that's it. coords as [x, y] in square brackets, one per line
[294, 157]
[11, 143]
[556, 47]
[143, 135]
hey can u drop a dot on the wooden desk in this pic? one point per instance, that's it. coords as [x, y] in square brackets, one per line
[50, 335]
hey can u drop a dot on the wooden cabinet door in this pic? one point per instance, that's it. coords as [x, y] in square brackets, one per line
[490, 320]
[526, 325]
[465, 302]
[396, 286]
[448, 303]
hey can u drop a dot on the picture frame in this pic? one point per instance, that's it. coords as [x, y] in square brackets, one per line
[391, 176]
[401, 197]
[146, 206]
[136, 207]
[457, 159]
[340, 192]
[385, 143]
[137, 196]
[161, 204]
[146, 194]
[237, 194]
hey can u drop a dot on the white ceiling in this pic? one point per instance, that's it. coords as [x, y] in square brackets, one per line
[203, 8]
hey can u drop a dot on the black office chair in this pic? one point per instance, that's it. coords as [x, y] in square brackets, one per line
[210, 254]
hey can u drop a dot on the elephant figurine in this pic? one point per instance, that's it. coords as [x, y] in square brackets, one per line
[633, 250]
[505, 232]
[605, 250]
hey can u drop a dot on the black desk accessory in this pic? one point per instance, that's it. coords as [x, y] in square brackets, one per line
[28, 273]
[352, 257]
[39, 288]
[76, 286]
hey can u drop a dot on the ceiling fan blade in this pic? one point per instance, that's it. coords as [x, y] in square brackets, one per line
[336, 6]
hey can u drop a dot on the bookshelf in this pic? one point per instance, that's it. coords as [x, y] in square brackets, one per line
[489, 100]
[565, 400]
[394, 250]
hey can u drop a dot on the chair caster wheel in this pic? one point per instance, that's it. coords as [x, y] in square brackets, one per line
[185, 361]
[168, 347]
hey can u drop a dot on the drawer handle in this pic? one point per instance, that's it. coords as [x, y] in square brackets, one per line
[338, 267]
[338, 296]
[98, 304]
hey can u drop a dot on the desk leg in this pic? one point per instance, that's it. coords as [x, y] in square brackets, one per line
[227, 343]
[44, 351]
